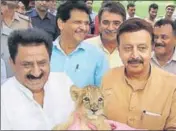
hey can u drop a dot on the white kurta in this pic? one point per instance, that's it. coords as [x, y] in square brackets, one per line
[19, 111]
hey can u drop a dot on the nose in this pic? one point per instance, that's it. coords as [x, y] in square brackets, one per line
[135, 53]
[84, 26]
[158, 40]
[94, 110]
[111, 26]
[36, 71]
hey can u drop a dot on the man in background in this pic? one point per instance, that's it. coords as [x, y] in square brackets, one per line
[164, 55]
[21, 8]
[42, 19]
[52, 7]
[131, 9]
[169, 11]
[89, 4]
[153, 10]
[11, 20]
[111, 15]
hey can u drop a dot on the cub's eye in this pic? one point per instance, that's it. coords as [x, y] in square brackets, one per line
[100, 99]
[86, 99]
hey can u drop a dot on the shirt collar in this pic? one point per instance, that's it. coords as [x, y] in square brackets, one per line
[16, 16]
[81, 46]
[102, 46]
[35, 13]
[151, 73]
[173, 57]
[26, 91]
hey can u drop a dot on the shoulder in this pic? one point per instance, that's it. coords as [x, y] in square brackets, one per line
[8, 87]
[58, 78]
[95, 51]
[51, 15]
[164, 78]
[92, 40]
[164, 74]
[114, 72]
[29, 12]
[24, 17]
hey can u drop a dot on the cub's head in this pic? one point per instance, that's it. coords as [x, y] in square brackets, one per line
[89, 100]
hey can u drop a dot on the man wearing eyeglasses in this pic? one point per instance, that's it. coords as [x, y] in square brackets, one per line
[111, 15]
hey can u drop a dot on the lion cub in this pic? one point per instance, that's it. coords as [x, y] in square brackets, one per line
[89, 114]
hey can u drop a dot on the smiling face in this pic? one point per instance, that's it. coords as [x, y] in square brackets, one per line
[131, 11]
[135, 51]
[31, 66]
[164, 40]
[76, 27]
[109, 24]
[153, 13]
[170, 11]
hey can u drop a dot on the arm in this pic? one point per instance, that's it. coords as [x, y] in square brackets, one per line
[5, 124]
[101, 69]
[171, 120]
[64, 126]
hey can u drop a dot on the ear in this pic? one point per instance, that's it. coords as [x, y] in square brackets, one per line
[60, 24]
[75, 92]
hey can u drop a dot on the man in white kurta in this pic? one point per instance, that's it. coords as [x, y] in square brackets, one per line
[19, 111]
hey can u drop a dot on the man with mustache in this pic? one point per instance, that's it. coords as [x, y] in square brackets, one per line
[139, 94]
[164, 55]
[34, 99]
[111, 15]
[82, 62]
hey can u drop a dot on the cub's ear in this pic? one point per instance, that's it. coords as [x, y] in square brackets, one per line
[75, 92]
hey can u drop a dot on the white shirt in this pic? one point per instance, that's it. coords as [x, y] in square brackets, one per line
[19, 111]
[174, 15]
[128, 17]
[113, 58]
[170, 66]
[3, 71]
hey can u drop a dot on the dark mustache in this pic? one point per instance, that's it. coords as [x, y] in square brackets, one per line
[110, 31]
[135, 61]
[29, 76]
[159, 44]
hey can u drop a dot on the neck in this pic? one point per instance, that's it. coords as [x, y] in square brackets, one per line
[38, 96]
[41, 13]
[140, 76]
[67, 45]
[168, 17]
[163, 59]
[150, 18]
[109, 45]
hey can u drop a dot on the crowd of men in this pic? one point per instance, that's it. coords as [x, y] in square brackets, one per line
[45, 51]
